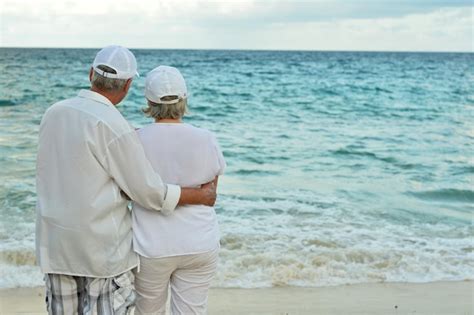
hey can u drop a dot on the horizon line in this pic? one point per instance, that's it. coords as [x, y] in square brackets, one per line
[251, 49]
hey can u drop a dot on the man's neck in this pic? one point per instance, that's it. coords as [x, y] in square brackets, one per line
[113, 98]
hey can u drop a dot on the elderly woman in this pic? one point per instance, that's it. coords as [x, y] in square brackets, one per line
[180, 250]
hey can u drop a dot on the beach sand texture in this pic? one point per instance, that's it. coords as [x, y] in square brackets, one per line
[382, 298]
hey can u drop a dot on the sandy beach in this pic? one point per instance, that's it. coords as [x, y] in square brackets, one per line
[385, 298]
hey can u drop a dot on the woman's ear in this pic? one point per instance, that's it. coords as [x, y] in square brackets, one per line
[91, 72]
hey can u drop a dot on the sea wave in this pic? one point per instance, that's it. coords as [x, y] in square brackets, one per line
[18, 257]
[8, 102]
[325, 263]
[357, 153]
[253, 261]
[449, 194]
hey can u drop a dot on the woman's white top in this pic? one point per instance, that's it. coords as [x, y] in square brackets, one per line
[187, 156]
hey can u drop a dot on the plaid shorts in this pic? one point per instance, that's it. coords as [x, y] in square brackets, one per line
[67, 295]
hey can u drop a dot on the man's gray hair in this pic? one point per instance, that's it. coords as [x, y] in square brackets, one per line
[107, 84]
[167, 111]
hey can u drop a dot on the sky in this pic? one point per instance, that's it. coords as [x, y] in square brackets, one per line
[368, 25]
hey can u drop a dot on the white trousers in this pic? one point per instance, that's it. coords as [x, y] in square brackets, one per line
[188, 276]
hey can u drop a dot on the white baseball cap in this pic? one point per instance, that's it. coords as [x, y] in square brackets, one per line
[118, 58]
[165, 81]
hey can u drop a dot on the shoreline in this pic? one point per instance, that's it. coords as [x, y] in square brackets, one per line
[445, 297]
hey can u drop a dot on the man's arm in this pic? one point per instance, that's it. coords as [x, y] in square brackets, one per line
[126, 163]
[206, 195]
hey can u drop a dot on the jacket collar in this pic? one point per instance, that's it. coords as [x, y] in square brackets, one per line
[95, 97]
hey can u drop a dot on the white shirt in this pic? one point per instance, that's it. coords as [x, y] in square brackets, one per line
[87, 155]
[187, 156]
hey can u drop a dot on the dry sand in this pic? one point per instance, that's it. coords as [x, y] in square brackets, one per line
[384, 298]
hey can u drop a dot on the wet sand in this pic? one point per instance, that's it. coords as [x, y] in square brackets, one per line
[382, 298]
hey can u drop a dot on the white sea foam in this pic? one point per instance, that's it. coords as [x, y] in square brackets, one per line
[338, 247]
[309, 247]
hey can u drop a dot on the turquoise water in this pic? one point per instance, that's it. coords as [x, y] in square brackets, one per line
[343, 167]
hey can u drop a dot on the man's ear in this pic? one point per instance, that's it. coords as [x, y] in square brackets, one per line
[127, 85]
[91, 72]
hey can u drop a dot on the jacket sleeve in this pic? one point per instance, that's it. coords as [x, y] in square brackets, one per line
[128, 165]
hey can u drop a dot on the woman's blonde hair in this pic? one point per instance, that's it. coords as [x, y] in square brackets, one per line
[167, 111]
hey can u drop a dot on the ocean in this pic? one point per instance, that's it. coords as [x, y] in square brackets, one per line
[343, 167]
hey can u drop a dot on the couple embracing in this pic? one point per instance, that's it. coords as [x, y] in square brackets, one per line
[91, 162]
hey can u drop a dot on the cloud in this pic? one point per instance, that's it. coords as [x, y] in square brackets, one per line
[241, 10]
[245, 24]
[441, 30]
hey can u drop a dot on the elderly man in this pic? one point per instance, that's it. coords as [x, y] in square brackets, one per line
[89, 160]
